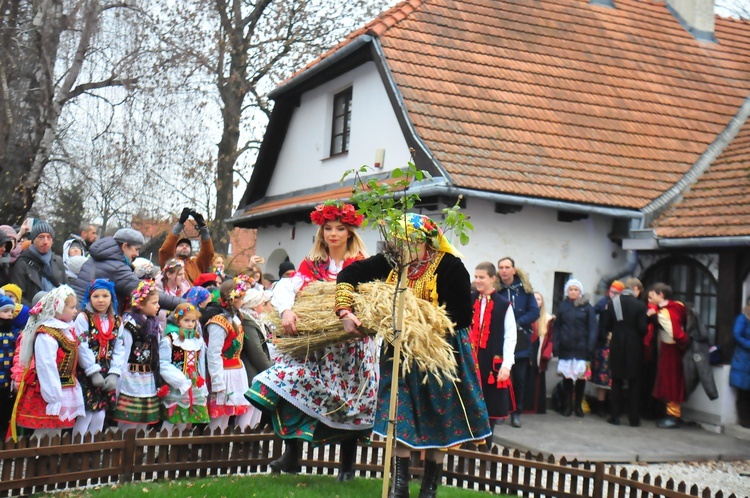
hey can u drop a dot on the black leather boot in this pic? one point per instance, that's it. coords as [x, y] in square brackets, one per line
[289, 461]
[400, 483]
[567, 398]
[348, 456]
[433, 472]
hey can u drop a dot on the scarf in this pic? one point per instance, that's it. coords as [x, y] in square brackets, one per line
[480, 325]
[48, 282]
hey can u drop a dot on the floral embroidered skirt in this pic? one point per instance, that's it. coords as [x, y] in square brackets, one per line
[430, 415]
[137, 402]
[330, 395]
[190, 407]
[600, 372]
[93, 397]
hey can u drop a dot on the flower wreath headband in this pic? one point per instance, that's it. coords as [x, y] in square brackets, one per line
[336, 211]
[241, 284]
[172, 264]
[188, 309]
[140, 293]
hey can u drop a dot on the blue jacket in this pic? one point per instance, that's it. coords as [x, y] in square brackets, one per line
[739, 374]
[108, 261]
[526, 311]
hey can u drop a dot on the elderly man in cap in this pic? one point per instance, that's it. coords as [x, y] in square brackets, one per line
[112, 258]
[180, 248]
[37, 268]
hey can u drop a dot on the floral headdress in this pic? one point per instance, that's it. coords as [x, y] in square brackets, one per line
[172, 264]
[241, 285]
[336, 211]
[183, 310]
[140, 293]
[420, 228]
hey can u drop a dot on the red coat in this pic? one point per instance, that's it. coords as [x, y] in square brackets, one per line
[670, 377]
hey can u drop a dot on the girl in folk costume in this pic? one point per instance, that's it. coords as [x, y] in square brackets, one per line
[171, 281]
[331, 395]
[431, 415]
[49, 397]
[138, 402]
[542, 332]
[493, 342]
[227, 373]
[98, 328]
[182, 352]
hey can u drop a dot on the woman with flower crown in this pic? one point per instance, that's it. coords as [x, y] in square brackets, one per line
[328, 396]
[432, 415]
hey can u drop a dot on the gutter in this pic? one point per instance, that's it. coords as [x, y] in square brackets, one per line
[321, 66]
[693, 242]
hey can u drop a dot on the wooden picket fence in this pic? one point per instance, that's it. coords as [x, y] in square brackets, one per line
[36, 466]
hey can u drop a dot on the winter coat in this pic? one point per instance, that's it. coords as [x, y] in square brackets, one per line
[526, 311]
[108, 261]
[739, 374]
[695, 362]
[195, 265]
[576, 331]
[254, 355]
[26, 272]
[626, 346]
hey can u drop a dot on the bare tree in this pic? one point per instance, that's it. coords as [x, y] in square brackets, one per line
[45, 64]
[248, 48]
[738, 9]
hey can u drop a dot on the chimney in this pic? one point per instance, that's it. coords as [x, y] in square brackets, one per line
[696, 16]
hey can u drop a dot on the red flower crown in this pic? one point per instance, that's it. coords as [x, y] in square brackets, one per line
[336, 211]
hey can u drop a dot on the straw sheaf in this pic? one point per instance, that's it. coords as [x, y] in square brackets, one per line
[423, 339]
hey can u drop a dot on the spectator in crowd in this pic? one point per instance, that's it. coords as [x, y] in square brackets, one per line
[144, 269]
[286, 269]
[181, 248]
[739, 373]
[37, 268]
[110, 259]
[493, 342]
[217, 267]
[600, 374]
[7, 348]
[515, 287]
[543, 330]
[626, 319]
[574, 344]
[86, 236]
[15, 248]
[6, 246]
[668, 318]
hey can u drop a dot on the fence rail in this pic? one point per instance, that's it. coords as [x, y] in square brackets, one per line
[35, 466]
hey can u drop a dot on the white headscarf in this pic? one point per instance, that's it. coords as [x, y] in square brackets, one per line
[48, 306]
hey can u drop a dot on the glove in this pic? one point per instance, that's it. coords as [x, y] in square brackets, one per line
[96, 379]
[185, 215]
[199, 220]
[110, 383]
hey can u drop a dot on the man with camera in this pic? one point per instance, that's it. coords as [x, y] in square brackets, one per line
[181, 248]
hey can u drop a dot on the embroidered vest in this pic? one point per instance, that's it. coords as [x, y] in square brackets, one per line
[185, 355]
[67, 355]
[95, 345]
[230, 351]
[140, 354]
[425, 286]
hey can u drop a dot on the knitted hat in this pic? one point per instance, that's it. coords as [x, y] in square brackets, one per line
[15, 290]
[41, 227]
[575, 283]
[7, 304]
[284, 267]
[129, 236]
[617, 286]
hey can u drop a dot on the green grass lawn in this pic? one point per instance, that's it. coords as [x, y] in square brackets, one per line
[263, 485]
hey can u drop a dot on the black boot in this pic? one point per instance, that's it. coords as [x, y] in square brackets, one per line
[567, 398]
[400, 484]
[348, 456]
[289, 461]
[580, 387]
[432, 475]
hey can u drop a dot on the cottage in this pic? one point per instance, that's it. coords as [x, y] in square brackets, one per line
[590, 138]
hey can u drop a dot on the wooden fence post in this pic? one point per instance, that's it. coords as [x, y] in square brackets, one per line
[128, 457]
[598, 479]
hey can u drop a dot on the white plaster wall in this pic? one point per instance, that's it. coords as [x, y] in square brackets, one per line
[721, 411]
[304, 160]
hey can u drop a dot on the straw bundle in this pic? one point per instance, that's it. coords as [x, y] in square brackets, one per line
[423, 338]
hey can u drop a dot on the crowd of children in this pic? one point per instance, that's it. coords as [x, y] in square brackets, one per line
[88, 365]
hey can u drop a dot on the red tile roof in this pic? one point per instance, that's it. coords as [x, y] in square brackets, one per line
[717, 204]
[562, 99]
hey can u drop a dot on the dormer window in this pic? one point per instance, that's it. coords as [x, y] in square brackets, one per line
[342, 122]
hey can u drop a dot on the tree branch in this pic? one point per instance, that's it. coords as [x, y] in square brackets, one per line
[86, 87]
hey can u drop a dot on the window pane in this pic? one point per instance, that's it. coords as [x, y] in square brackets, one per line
[337, 144]
[338, 126]
[339, 106]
